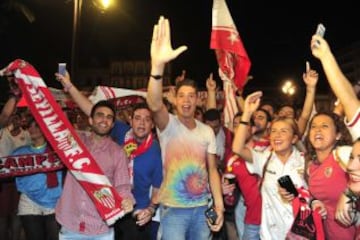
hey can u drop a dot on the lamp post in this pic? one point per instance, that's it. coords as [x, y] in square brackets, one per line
[76, 18]
[102, 5]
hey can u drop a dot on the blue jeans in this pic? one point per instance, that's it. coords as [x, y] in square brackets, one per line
[251, 232]
[183, 223]
[69, 235]
[245, 231]
[240, 216]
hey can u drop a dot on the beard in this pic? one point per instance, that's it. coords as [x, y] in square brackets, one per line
[100, 133]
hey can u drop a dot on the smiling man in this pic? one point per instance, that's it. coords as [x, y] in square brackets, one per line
[75, 210]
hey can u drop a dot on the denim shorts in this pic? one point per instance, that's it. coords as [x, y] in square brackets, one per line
[183, 223]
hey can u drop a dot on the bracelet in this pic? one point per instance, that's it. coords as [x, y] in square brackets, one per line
[244, 123]
[156, 77]
[152, 210]
[67, 87]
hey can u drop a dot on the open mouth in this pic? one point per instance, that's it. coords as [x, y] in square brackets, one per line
[354, 177]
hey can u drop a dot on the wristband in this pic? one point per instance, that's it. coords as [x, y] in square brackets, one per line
[244, 123]
[156, 77]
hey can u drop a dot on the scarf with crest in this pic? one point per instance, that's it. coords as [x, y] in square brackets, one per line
[133, 149]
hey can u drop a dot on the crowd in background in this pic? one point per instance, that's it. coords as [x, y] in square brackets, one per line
[169, 158]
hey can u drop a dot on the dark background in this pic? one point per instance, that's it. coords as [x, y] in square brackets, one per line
[276, 35]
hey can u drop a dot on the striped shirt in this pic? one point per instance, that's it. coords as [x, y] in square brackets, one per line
[75, 210]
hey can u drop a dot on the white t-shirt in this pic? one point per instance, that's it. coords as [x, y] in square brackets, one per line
[354, 125]
[220, 144]
[277, 215]
[8, 143]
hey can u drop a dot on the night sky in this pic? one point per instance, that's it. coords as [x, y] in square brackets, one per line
[276, 36]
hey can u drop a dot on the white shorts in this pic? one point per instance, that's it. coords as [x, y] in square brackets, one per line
[29, 207]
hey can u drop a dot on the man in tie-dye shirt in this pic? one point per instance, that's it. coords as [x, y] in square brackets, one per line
[188, 149]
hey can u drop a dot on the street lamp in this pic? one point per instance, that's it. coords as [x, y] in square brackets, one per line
[288, 88]
[102, 5]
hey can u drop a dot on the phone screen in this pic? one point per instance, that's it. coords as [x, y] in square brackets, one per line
[320, 30]
[62, 68]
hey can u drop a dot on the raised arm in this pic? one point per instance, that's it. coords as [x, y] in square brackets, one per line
[7, 110]
[340, 85]
[252, 102]
[310, 78]
[83, 102]
[161, 53]
[211, 92]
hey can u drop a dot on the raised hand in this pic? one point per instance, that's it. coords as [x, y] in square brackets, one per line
[319, 46]
[180, 77]
[161, 49]
[252, 102]
[210, 83]
[310, 77]
[64, 80]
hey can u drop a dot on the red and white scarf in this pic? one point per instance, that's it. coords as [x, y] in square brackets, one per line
[21, 165]
[64, 140]
[133, 150]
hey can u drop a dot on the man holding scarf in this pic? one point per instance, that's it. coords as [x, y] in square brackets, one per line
[145, 164]
[75, 211]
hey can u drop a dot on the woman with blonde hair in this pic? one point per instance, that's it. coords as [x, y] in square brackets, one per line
[283, 159]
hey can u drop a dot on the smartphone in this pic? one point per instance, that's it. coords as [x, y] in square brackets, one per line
[62, 68]
[320, 30]
[307, 67]
[211, 215]
[287, 183]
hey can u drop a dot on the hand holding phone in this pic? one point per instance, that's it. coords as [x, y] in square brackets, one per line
[286, 182]
[211, 215]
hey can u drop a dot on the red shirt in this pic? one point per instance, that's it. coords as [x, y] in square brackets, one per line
[249, 186]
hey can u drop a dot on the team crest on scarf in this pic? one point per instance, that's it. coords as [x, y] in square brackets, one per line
[105, 197]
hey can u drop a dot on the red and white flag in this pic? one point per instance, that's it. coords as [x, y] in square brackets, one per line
[234, 63]
[65, 141]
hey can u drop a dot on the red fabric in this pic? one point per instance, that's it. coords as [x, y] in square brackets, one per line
[234, 63]
[133, 150]
[64, 140]
[230, 51]
[27, 164]
[51, 177]
[248, 184]
[326, 183]
[297, 203]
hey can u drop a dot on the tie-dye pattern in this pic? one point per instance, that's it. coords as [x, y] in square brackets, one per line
[185, 181]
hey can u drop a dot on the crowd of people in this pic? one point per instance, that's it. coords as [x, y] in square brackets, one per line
[169, 158]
